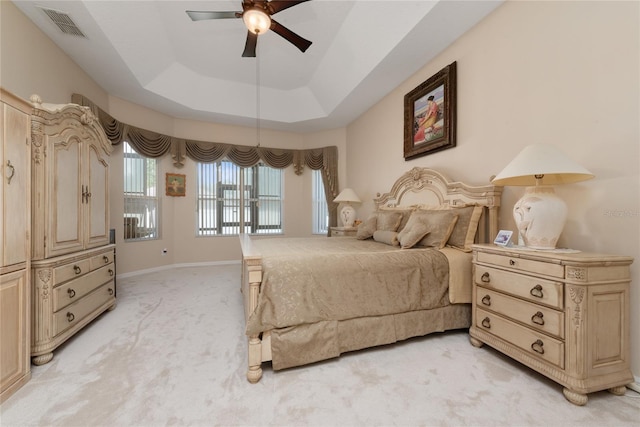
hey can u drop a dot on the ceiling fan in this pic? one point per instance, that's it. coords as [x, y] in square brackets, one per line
[256, 15]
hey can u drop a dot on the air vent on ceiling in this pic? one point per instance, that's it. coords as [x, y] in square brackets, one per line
[64, 22]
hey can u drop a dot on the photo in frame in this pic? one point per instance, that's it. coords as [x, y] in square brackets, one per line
[176, 184]
[503, 238]
[430, 115]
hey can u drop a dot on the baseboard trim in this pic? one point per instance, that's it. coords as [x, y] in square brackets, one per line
[172, 266]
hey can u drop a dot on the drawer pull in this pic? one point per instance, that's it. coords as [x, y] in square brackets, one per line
[485, 278]
[538, 318]
[77, 269]
[486, 300]
[70, 317]
[71, 293]
[536, 291]
[486, 322]
[512, 262]
[538, 347]
[106, 259]
[110, 291]
[111, 272]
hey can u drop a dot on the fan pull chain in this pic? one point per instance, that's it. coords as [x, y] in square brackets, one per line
[257, 98]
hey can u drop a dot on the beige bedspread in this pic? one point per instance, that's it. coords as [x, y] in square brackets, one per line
[316, 291]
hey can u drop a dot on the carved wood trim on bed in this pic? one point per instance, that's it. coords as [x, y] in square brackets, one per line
[407, 188]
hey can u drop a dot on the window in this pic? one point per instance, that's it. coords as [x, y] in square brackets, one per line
[232, 199]
[320, 210]
[140, 196]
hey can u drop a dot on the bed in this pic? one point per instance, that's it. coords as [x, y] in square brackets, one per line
[406, 274]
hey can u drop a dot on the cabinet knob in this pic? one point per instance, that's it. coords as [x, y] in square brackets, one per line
[77, 269]
[110, 291]
[70, 317]
[486, 322]
[71, 293]
[111, 272]
[486, 300]
[536, 291]
[485, 278]
[538, 318]
[538, 347]
[105, 259]
[512, 262]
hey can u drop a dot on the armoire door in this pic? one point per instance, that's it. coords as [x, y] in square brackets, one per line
[66, 219]
[96, 201]
[15, 187]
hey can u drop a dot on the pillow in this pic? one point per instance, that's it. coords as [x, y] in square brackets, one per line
[387, 237]
[405, 211]
[388, 220]
[367, 228]
[410, 236]
[464, 232]
[439, 223]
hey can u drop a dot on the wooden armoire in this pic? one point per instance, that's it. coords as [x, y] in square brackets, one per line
[72, 261]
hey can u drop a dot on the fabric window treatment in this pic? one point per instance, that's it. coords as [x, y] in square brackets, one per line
[154, 145]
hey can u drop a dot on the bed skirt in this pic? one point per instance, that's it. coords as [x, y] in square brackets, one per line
[304, 344]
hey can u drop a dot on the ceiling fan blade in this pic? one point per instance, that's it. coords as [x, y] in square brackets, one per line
[250, 45]
[276, 6]
[200, 15]
[287, 34]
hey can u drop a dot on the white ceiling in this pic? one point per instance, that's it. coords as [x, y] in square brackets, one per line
[152, 54]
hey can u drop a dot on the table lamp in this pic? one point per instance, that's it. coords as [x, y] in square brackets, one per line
[540, 214]
[347, 213]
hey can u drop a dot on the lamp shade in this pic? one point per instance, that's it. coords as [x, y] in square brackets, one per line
[545, 161]
[256, 20]
[347, 195]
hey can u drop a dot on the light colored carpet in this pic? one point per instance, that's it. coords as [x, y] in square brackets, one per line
[173, 353]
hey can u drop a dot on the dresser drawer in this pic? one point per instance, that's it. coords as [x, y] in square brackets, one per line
[75, 289]
[74, 313]
[69, 271]
[101, 260]
[539, 291]
[534, 343]
[523, 265]
[532, 315]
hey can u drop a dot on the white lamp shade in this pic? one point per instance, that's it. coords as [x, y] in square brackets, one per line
[546, 160]
[347, 195]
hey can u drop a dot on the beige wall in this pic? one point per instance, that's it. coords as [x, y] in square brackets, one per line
[561, 73]
[564, 73]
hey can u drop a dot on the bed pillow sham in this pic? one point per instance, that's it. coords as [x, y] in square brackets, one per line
[438, 223]
[386, 237]
[464, 232]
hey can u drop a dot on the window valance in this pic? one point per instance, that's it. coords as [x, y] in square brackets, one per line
[154, 144]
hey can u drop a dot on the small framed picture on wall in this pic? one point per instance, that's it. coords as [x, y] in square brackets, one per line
[176, 184]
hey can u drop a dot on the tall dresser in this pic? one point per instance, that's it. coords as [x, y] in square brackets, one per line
[72, 264]
[565, 315]
[15, 208]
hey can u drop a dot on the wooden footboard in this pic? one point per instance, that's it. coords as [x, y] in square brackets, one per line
[251, 281]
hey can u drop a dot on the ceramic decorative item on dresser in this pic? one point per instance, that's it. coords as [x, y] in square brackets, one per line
[15, 246]
[563, 314]
[72, 261]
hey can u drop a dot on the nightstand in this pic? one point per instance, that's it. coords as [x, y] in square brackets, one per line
[343, 231]
[565, 315]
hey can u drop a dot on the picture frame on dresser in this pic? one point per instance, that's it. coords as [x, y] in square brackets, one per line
[430, 115]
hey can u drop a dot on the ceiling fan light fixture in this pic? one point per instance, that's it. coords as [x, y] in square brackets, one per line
[256, 20]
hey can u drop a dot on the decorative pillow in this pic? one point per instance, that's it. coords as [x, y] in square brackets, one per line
[410, 236]
[387, 237]
[388, 220]
[440, 225]
[367, 228]
[406, 214]
[464, 232]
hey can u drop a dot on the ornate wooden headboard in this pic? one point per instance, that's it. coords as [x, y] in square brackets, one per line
[427, 186]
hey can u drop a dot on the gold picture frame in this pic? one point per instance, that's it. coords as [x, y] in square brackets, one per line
[175, 184]
[430, 115]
